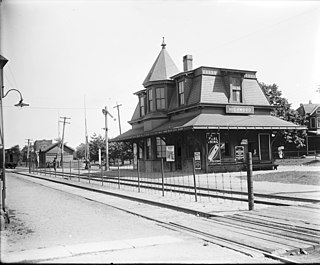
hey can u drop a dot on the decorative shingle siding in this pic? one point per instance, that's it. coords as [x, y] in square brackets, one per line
[252, 93]
[213, 90]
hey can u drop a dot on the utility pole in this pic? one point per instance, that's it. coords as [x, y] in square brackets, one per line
[106, 113]
[28, 153]
[117, 106]
[64, 123]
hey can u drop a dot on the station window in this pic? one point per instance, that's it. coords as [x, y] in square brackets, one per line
[235, 86]
[312, 122]
[160, 99]
[150, 100]
[161, 147]
[318, 122]
[181, 93]
[225, 149]
[142, 106]
[149, 149]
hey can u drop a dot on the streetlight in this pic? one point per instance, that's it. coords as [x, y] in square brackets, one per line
[3, 61]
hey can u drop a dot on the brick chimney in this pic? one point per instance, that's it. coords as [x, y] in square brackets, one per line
[310, 101]
[187, 63]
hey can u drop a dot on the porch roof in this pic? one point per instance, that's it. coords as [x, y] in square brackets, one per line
[214, 121]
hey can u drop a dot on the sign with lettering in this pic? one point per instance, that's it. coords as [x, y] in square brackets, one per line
[209, 72]
[170, 153]
[213, 147]
[240, 109]
[197, 160]
[239, 153]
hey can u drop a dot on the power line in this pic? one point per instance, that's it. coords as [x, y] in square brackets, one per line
[57, 108]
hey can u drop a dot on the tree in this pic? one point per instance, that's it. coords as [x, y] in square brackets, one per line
[120, 150]
[15, 151]
[283, 110]
[80, 151]
[96, 142]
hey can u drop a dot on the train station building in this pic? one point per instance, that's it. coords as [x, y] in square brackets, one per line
[208, 117]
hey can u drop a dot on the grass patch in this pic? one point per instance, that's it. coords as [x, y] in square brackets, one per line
[293, 177]
[307, 161]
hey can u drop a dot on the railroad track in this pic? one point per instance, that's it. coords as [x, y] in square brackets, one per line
[273, 233]
[267, 199]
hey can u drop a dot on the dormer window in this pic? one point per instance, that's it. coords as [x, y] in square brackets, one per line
[142, 99]
[312, 122]
[181, 93]
[160, 99]
[235, 89]
[150, 100]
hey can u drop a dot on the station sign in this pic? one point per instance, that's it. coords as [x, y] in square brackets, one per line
[239, 109]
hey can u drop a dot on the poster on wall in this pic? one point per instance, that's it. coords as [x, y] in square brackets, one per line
[213, 142]
[170, 153]
[135, 155]
[197, 160]
[239, 153]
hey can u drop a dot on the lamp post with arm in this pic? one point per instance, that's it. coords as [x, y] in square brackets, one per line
[3, 61]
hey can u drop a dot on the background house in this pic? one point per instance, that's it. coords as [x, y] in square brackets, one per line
[312, 114]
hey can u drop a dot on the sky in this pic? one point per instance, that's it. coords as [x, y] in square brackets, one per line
[73, 58]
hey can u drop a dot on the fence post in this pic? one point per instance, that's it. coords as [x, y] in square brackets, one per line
[78, 170]
[162, 176]
[250, 181]
[70, 169]
[89, 173]
[101, 167]
[138, 175]
[194, 180]
[118, 173]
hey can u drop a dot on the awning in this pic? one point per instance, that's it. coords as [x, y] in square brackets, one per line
[216, 122]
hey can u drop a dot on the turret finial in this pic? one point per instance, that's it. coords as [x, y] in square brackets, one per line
[163, 44]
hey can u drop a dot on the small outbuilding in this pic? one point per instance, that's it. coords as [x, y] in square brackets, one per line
[47, 155]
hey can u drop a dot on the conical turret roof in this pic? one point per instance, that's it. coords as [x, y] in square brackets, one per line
[163, 67]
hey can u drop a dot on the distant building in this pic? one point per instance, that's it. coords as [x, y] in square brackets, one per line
[312, 114]
[47, 155]
[209, 114]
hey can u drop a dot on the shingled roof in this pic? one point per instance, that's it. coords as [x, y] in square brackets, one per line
[213, 121]
[162, 69]
[309, 108]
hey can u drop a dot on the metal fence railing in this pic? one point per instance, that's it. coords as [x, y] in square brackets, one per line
[188, 184]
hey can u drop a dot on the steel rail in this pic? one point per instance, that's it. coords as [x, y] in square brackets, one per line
[205, 191]
[245, 249]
